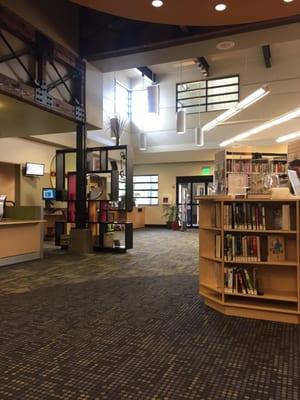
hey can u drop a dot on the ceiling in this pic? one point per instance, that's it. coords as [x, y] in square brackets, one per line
[195, 12]
[110, 29]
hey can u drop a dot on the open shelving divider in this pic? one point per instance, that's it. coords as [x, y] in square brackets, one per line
[251, 285]
[106, 213]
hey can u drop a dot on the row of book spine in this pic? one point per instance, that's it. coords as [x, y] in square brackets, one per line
[239, 166]
[279, 167]
[240, 280]
[242, 248]
[244, 216]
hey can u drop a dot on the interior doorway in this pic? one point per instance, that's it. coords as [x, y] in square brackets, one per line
[187, 188]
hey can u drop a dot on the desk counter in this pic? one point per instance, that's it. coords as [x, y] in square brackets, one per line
[20, 240]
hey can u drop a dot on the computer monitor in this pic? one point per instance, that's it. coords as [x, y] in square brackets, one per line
[49, 194]
[34, 169]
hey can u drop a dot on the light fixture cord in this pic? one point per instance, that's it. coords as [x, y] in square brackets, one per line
[115, 94]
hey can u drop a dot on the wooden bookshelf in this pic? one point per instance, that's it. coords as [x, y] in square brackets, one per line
[259, 282]
[253, 166]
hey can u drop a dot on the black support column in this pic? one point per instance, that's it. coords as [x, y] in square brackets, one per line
[79, 91]
[80, 176]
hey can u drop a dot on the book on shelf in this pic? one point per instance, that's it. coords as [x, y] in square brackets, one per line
[216, 215]
[218, 246]
[242, 248]
[253, 216]
[237, 183]
[276, 248]
[244, 215]
[241, 280]
[279, 217]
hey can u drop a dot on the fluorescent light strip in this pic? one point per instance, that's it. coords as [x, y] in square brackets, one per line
[288, 137]
[276, 121]
[246, 102]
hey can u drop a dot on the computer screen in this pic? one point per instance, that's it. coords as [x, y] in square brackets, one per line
[49, 194]
[33, 169]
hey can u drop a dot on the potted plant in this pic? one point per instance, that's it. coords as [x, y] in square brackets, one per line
[171, 215]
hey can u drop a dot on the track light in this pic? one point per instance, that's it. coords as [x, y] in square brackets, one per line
[199, 137]
[203, 65]
[288, 137]
[276, 121]
[143, 141]
[180, 122]
[242, 105]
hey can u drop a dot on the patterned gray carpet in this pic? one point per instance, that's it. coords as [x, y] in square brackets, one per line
[133, 327]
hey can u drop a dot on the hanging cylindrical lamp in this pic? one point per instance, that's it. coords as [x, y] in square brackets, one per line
[114, 120]
[180, 121]
[153, 99]
[199, 137]
[143, 141]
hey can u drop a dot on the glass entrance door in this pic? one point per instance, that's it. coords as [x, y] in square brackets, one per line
[187, 188]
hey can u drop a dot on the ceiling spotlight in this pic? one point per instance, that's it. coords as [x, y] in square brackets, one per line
[157, 3]
[203, 65]
[220, 7]
[288, 1]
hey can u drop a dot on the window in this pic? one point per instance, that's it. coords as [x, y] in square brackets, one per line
[145, 190]
[209, 95]
[123, 101]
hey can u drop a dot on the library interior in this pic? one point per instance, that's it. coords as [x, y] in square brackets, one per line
[150, 200]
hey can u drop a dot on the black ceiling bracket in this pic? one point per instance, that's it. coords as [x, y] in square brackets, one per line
[80, 113]
[266, 50]
[42, 95]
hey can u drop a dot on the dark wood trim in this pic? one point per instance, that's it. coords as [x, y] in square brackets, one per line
[43, 50]
[24, 92]
[219, 32]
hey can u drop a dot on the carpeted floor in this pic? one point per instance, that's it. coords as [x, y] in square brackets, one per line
[133, 327]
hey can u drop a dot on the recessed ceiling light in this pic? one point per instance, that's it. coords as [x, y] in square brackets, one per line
[288, 1]
[220, 7]
[157, 3]
[225, 45]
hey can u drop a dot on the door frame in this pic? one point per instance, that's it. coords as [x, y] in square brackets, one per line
[192, 179]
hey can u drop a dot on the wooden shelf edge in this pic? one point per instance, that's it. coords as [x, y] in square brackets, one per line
[267, 231]
[210, 287]
[211, 258]
[290, 299]
[210, 228]
[270, 263]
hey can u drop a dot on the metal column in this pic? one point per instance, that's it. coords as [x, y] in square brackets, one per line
[80, 176]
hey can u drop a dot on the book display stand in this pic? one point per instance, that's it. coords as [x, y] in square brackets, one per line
[249, 263]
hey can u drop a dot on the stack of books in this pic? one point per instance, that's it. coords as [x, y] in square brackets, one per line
[241, 280]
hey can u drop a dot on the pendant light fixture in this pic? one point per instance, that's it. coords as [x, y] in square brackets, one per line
[143, 141]
[153, 99]
[199, 137]
[114, 120]
[199, 133]
[180, 115]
